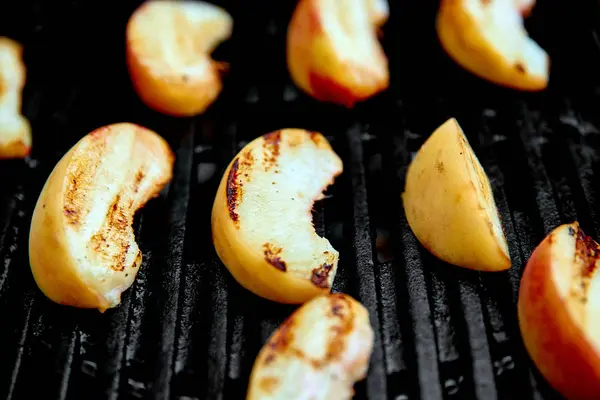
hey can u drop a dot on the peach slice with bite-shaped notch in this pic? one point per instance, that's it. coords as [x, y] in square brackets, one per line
[261, 218]
[488, 39]
[168, 54]
[332, 49]
[82, 247]
[559, 311]
[319, 352]
[450, 206]
[15, 131]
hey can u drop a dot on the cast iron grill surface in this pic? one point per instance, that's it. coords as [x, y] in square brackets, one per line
[186, 329]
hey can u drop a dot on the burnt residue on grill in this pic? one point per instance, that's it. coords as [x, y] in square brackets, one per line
[273, 256]
[271, 143]
[233, 191]
[320, 275]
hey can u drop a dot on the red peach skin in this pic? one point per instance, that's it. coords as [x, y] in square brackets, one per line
[560, 348]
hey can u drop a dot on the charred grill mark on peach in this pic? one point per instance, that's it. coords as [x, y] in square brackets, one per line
[138, 260]
[71, 215]
[520, 68]
[116, 217]
[246, 163]
[233, 191]
[280, 341]
[284, 336]
[268, 384]
[73, 199]
[272, 256]
[587, 254]
[111, 248]
[139, 176]
[337, 310]
[123, 256]
[320, 275]
[269, 358]
[341, 330]
[80, 177]
[111, 242]
[271, 149]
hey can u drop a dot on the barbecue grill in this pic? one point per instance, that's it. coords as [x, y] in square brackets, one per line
[186, 329]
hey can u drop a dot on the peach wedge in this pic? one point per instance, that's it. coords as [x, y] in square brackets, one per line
[82, 248]
[318, 353]
[488, 39]
[15, 131]
[450, 206]
[168, 54]
[261, 218]
[332, 49]
[559, 311]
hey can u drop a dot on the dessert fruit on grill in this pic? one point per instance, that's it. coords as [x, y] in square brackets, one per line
[332, 49]
[450, 206]
[261, 218]
[319, 352]
[488, 39]
[559, 311]
[168, 54]
[15, 131]
[82, 247]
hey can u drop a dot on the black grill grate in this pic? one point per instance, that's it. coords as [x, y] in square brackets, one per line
[186, 329]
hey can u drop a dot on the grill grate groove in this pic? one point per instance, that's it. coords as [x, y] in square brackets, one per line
[169, 307]
[365, 273]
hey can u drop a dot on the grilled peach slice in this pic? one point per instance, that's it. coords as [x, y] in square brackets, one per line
[559, 311]
[82, 248]
[168, 54]
[449, 203]
[15, 131]
[319, 352]
[488, 39]
[261, 218]
[332, 49]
